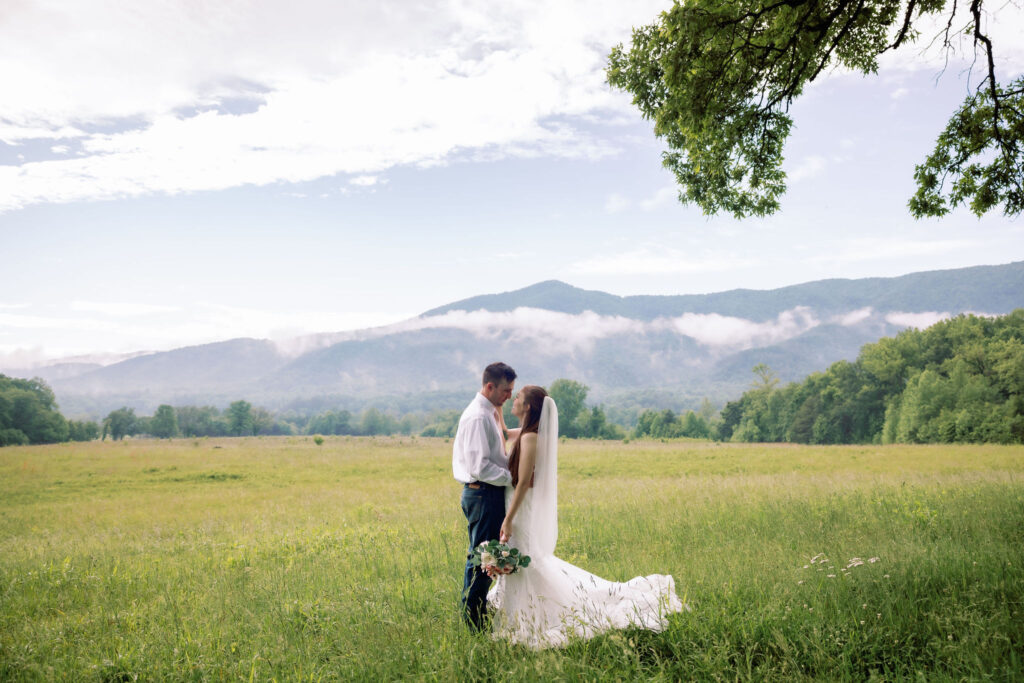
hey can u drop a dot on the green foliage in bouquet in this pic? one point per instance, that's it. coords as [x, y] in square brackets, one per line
[499, 558]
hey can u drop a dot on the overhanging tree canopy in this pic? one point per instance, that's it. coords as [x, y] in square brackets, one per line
[717, 77]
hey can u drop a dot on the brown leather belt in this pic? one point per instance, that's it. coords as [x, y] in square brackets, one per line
[481, 485]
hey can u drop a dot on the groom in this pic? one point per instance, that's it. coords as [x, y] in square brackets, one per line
[480, 463]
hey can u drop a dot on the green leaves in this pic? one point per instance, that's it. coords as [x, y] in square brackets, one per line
[717, 77]
[978, 159]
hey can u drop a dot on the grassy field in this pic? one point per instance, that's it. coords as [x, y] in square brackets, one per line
[274, 558]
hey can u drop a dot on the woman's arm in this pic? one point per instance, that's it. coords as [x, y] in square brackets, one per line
[508, 434]
[527, 460]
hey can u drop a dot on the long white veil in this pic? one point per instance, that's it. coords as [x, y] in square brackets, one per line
[545, 487]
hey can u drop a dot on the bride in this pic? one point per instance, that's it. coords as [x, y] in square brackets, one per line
[546, 603]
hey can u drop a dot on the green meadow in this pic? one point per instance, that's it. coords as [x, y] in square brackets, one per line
[278, 559]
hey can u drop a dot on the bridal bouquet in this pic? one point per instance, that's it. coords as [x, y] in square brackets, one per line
[498, 558]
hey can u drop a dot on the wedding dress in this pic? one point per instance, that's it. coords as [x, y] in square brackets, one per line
[550, 601]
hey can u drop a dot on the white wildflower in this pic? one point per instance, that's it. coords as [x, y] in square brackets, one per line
[831, 576]
[873, 560]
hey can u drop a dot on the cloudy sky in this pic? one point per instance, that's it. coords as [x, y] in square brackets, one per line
[177, 172]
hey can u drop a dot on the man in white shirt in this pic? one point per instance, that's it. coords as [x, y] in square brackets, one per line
[479, 461]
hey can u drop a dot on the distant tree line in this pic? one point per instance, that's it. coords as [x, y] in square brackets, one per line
[238, 419]
[29, 415]
[960, 380]
[575, 418]
[665, 424]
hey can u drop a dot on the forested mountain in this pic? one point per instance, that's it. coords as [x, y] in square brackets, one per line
[635, 350]
[960, 380]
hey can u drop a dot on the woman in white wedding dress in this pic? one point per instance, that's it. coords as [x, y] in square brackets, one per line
[550, 601]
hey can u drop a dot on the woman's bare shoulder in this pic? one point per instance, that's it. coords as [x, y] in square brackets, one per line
[529, 438]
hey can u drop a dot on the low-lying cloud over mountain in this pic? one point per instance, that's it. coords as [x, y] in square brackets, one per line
[572, 332]
[693, 345]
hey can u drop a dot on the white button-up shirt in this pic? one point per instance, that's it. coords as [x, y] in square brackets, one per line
[478, 453]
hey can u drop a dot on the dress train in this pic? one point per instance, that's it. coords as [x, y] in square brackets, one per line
[551, 601]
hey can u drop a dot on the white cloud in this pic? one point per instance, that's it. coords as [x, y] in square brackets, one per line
[299, 331]
[654, 260]
[14, 358]
[808, 167]
[564, 331]
[280, 324]
[712, 329]
[616, 203]
[366, 181]
[44, 322]
[123, 327]
[918, 320]
[573, 332]
[898, 93]
[663, 197]
[268, 92]
[24, 358]
[120, 308]
[854, 317]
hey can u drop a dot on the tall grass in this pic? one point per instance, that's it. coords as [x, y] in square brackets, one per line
[276, 558]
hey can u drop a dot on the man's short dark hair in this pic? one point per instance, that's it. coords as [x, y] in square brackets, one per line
[495, 372]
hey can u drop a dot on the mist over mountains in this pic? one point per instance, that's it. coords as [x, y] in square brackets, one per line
[684, 347]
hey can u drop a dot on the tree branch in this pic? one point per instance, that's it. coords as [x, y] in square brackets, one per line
[907, 22]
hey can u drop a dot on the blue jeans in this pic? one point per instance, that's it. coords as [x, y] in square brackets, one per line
[485, 511]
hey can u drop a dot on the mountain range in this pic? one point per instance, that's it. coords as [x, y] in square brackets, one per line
[686, 346]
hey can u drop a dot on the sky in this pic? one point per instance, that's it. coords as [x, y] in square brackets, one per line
[175, 172]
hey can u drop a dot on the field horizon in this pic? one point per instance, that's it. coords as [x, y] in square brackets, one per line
[276, 558]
